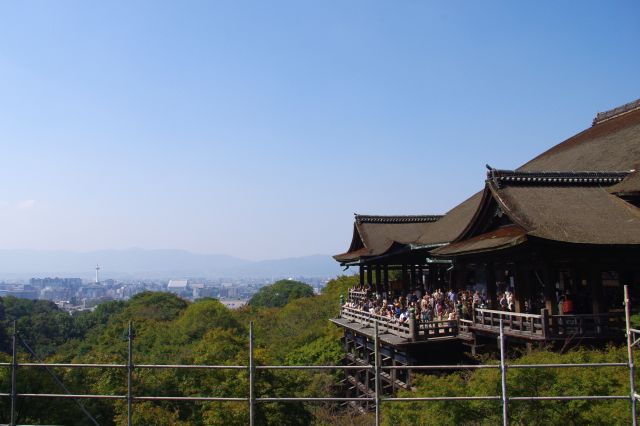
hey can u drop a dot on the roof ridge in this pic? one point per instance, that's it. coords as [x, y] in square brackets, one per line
[615, 112]
[557, 178]
[396, 218]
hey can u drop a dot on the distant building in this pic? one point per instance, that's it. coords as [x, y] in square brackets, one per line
[177, 285]
[55, 282]
[21, 291]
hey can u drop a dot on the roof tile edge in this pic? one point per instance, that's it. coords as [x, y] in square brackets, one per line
[601, 117]
[564, 178]
[397, 219]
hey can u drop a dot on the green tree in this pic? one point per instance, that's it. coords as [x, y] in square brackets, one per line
[280, 293]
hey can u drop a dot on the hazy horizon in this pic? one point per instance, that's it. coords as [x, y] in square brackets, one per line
[257, 129]
[139, 263]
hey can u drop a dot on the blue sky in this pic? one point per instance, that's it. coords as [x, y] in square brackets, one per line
[257, 129]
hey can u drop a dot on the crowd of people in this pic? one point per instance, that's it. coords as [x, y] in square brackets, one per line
[450, 305]
[436, 306]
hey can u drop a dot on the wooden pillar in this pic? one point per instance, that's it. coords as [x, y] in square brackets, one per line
[457, 277]
[369, 276]
[431, 275]
[576, 282]
[385, 278]
[521, 290]
[549, 275]
[453, 273]
[393, 376]
[414, 279]
[594, 280]
[490, 278]
[405, 276]
[378, 279]
[361, 275]
[578, 298]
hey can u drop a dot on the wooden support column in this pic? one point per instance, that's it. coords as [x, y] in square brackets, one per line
[431, 277]
[369, 276]
[412, 283]
[378, 279]
[361, 275]
[457, 279]
[393, 376]
[385, 278]
[594, 280]
[549, 275]
[405, 276]
[576, 282]
[521, 291]
[490, 278]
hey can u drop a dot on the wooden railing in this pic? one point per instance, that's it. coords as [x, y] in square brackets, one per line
[586, 325]
[529, 325]
[409, 329]
[532, 326]
[464, 328]
[384, 323]
[357, 296]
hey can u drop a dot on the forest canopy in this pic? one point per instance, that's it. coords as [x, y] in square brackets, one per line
[169, 330]
[280, 293]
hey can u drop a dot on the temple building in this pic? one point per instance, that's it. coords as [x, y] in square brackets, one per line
[546, 248]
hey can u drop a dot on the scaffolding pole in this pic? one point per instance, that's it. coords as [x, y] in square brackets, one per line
[14, 367]
[632, 379]
[376, 363]
[503, 379]
[129, 374]
[252, 397]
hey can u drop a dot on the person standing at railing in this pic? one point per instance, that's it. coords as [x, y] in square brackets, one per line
[427, 314]
[503, 302]
[452, 321]
[452, 296]
[424, 302]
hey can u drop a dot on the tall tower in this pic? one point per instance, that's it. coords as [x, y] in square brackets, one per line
[97, 274]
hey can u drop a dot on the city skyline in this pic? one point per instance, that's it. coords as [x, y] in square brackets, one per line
[257, 131]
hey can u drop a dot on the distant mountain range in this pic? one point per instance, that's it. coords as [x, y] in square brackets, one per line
[156, 264]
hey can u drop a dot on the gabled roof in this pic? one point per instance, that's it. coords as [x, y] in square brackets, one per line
[611, 144]
[375, 235]
[571, 207]
[567, 193]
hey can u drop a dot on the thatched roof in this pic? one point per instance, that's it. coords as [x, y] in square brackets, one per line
[375, 235]
[557, 206]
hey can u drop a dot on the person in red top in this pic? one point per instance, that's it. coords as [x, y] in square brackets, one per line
[567, 304]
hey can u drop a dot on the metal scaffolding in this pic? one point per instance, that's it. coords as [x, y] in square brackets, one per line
[633, 340]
